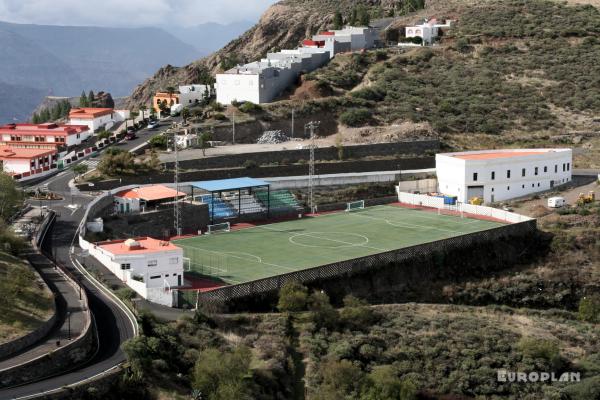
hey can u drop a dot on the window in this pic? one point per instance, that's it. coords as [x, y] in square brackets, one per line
[474, 176]
[492, 190]
[173, 260]
[508, 188]
[564, 167]
[493, 175]
[523, 172]
[125, 266]
[568, 166]
[508, 173]
[152, 263]
[536, 171]
[522, 186]
[546, 169]
[538, 184]
[555, 168]
[155, 277]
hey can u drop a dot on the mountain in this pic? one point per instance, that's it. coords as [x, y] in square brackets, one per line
[64, 60]
[211, 36]
[283, 25]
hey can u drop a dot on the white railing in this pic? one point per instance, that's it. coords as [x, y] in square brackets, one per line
[438, 203]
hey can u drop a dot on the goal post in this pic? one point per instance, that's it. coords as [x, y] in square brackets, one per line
[216, 228]
[355, 205]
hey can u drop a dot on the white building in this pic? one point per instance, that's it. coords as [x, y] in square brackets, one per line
[428, 31]
[149, 266]
[94, 118]
[496, 175]
[191, 94]
[27, 163]
[263, 81]
[43, 136]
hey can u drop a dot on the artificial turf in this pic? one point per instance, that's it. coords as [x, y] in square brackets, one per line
[274, 249]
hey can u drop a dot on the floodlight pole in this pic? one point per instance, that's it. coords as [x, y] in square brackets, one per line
[292, 123]
[312, 125]
[176, 210]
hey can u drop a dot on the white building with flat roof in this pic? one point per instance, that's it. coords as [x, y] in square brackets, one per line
[497, 175]
[428, 30]
[192, 94]
[263, 81]
[149, 266]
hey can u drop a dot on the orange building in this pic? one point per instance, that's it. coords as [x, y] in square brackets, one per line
[164, 98]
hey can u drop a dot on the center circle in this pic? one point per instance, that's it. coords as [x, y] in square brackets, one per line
[328, 240]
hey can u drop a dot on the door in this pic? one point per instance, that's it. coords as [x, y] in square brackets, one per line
[552, 183]
[474, 191]
[178, 280]
[492, 198]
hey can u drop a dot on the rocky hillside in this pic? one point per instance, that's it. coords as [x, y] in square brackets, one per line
[283, 25]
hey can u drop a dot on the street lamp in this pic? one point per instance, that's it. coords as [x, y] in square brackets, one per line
[69, 321]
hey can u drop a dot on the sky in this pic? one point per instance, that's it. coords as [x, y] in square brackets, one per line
[131, 13]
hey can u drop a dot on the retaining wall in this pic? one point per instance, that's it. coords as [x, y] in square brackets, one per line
[249, 294]
[415, 147]
[268, 171]
[63, 358]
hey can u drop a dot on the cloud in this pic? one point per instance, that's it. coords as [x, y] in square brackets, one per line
[130, 13]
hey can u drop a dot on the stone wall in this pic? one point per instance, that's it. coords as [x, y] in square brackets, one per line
[396, 149]
[157, 224]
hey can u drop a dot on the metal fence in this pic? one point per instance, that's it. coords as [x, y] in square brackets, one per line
[358, 265]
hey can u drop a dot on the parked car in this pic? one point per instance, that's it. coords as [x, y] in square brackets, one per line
[152, 125]
[130, 136]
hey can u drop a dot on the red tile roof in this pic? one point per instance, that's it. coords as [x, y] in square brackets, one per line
[318, 43]
[150, 193]
[43, 129]
[499, 154]
[141, 245]
[12, 153]
[89, 113]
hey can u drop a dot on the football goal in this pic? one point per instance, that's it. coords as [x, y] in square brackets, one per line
[355, 205]
[216, 228]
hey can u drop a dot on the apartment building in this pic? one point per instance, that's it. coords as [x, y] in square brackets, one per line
[43, 136]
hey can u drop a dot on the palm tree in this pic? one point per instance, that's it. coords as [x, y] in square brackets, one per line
[170, 90]
[143, 108]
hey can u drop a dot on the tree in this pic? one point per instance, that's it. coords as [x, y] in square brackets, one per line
[203, 140]
[356, 313]
[222, 375]
[383, 384]
[363, 16]
[83, 100]
[116, 162]
[153, 162]
[293, 297]
[338, 21]
[589, 308]
[80, 169]
[158, 141]
[143, 109]
[91, 98]
[352, 17]
[341, 380]
[10, 196]
[322, 312]
[185, 114]
[35, 118]
[103, 134]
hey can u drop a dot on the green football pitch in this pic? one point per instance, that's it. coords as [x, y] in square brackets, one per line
[267, 250]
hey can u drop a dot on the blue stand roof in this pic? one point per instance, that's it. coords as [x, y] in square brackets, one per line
[220, 185]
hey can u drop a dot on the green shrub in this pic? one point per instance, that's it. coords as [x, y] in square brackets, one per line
[250, 164]
[589, 309]
[322, 312]
[219, 116]
[249, 107]
[356, 117]
[293, 297]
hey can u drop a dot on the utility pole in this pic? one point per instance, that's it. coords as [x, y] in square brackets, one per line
[176, 210]
[233, 119]
[312, 125]
[292, 123]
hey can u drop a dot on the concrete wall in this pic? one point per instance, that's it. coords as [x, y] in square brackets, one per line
[14, 346]
[419, 185]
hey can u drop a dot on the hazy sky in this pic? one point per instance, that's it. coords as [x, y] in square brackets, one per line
[134, 13]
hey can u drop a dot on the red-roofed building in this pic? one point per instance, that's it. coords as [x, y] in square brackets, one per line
[43, 136]
[142, 198]
[149, 266]
[24, 163]
[93, 118]
[313, 43]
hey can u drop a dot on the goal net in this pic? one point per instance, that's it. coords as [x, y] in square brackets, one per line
[355, 205]
[216, 228]
[206, 263]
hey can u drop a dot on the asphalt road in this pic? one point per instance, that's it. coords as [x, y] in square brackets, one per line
[113, 323]
[145, 134]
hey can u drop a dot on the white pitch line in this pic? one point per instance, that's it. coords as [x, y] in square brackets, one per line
[242, 258]
[407, 225]
[325, 238]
